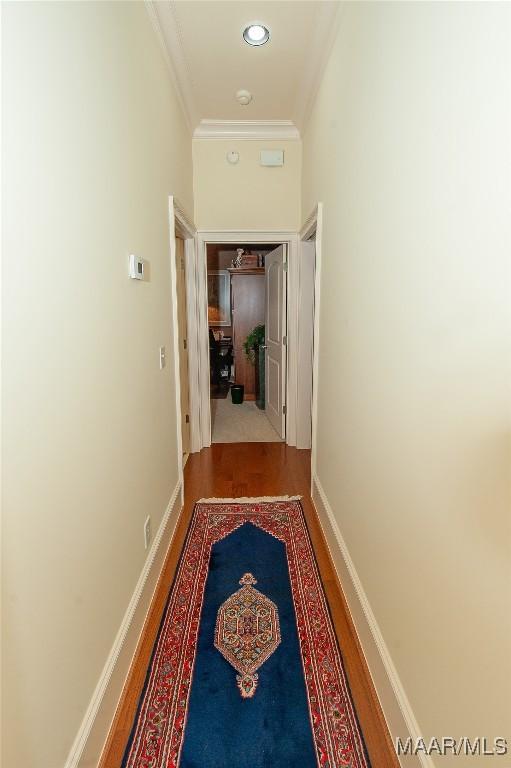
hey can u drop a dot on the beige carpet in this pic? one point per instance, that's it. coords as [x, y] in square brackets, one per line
[243, 423]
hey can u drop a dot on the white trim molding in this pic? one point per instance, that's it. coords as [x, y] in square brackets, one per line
[180, 225]
[310, 225]
[394, 702]
[247, 130]
[312, 229]
[166, 26]
[175, 62]
[324, 34]
[93, 732]
[184, 226]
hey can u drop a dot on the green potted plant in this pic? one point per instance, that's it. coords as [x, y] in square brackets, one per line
[254, 351]
[254, 340]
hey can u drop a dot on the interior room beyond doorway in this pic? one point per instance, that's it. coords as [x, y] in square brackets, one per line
[236, 327]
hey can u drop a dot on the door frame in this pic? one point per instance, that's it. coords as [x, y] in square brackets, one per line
[313, 226]
[181, 226]
[197, 318]
[200, 309]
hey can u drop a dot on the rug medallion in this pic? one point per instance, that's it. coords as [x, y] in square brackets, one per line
[247, 632]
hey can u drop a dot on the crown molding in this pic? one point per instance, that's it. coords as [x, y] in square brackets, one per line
[324, 36]
[247, 130]
[165, 22]
[166, 26]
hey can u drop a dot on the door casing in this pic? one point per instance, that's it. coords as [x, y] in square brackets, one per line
[313, 228]
[180, 225]
[197, 319]
[198, 308]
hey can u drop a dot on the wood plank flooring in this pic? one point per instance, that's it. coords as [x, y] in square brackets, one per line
[256, 469]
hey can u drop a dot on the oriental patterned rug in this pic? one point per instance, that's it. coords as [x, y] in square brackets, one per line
[246, 669]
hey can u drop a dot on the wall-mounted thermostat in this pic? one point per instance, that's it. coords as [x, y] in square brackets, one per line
[136, 267]
[272, 157]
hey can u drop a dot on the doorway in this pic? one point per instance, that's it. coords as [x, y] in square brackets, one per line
[246, 316]
[300, 313]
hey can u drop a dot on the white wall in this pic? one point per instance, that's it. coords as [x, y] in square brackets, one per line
[94, 142]
[246, 195]
[408, 148]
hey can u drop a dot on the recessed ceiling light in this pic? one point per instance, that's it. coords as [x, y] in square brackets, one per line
[256, 34]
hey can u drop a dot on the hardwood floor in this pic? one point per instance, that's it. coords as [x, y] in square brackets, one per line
[256, 469]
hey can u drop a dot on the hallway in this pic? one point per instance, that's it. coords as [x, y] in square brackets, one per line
[368, 143]
[255, 470]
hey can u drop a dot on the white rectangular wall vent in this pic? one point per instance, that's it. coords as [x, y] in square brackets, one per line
[272, 157]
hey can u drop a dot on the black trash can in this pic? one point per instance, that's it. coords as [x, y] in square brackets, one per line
[237, 392]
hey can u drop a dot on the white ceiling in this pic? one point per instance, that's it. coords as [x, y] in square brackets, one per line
[211, 61]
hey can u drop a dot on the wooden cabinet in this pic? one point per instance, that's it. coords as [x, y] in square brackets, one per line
[248, 310]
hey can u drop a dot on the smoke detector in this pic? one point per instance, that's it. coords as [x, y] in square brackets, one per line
[244, 97]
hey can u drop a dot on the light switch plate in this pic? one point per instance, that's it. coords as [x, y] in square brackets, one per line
[136, 267]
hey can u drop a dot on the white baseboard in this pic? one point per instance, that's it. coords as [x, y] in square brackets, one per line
[93, 732]
[394, 702]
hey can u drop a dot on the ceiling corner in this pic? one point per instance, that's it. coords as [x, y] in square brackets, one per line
[207, 64]
[325, 33]
[166, 26]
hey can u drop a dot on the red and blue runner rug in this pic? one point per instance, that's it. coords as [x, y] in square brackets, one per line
[246, 669]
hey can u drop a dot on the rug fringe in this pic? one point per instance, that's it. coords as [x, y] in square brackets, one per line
[247, 499]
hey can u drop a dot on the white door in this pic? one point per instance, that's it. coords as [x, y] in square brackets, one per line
[275, 355]
[183, 343]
